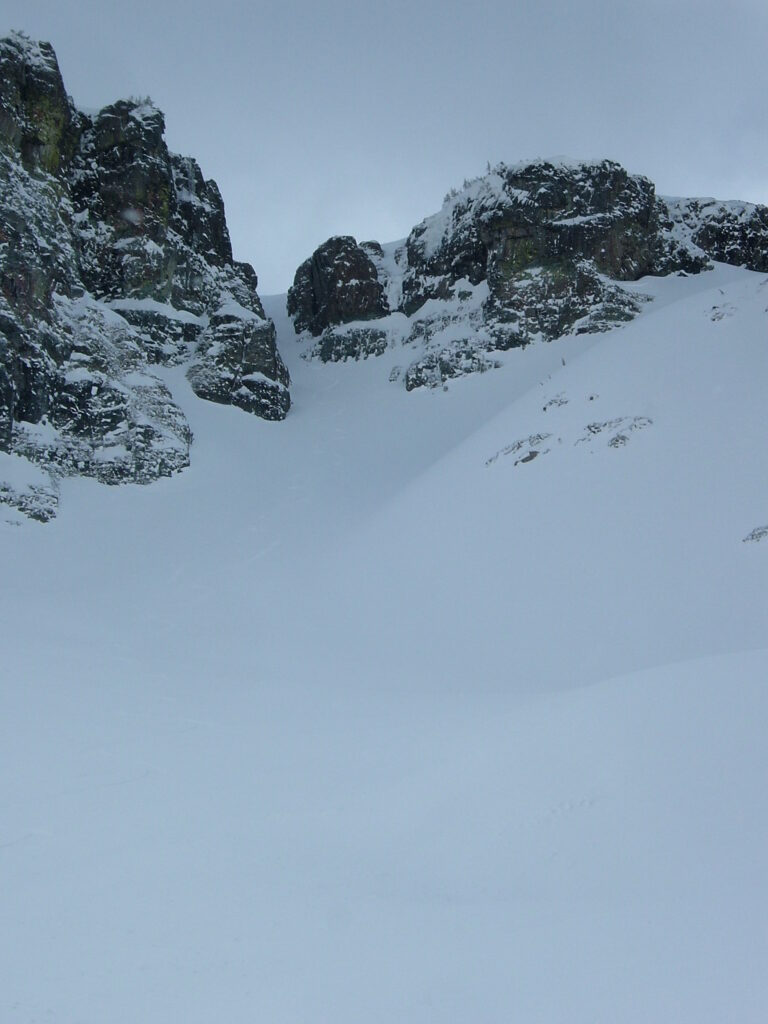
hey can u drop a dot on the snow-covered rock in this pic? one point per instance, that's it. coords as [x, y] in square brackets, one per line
[527, 252]
[114, 256]
[730, 232]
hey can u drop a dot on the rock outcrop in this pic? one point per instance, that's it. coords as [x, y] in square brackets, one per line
[115, 259]
[527, 252]
[728, 232]
[336, 285]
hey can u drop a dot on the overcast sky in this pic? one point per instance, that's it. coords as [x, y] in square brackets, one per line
[350, 117]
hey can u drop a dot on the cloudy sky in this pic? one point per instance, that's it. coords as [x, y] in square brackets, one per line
[343, 116]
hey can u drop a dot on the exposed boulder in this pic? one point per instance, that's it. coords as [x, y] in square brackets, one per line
[336, 285]
[528, 252]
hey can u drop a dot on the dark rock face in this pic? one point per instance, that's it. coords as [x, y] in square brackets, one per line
[147, 222]
[114, 256]
[540, 215]
[337, 346]
[535, 251]
[336, 285]
[37, 118]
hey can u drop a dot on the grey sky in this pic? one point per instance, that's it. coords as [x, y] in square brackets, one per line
[356, 118]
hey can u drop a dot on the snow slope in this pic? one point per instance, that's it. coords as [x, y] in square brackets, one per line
[373, 714]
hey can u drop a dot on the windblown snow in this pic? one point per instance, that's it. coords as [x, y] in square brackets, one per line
[441, 706]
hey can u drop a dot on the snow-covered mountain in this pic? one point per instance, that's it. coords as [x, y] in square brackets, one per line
[430, 704]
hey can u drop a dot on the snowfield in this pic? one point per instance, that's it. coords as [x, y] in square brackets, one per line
[444, 706]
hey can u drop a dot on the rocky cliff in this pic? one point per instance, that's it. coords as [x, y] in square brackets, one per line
[527, 252]
[115, 260]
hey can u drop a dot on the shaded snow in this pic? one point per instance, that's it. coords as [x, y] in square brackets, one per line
[19, 473]
[354, 720]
